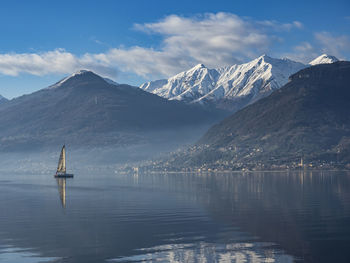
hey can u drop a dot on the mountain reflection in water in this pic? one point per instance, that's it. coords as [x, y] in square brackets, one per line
[207, 252]
[17, 255]
[238, 217]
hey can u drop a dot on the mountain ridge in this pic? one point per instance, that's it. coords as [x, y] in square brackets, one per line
[231, 87]
[84, 108]
[307, 118]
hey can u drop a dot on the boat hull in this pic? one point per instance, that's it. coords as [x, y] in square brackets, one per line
[64, 175]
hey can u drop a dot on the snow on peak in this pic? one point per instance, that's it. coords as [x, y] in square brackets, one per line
[80, 73]
[84, 71]
[198, 66]
[263, 56]
[77, 73]
[324, 59]
[254, 79]
[187, 85]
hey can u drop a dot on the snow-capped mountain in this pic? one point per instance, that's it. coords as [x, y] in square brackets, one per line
[231, 87]
[324, 59]
[188, 85]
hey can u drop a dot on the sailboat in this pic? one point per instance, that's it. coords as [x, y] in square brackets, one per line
[61, 168]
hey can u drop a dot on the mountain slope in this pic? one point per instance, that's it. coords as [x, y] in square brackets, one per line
[309, 117]
[85, 109]
[231, 87]
[2, 99]
[187, 86]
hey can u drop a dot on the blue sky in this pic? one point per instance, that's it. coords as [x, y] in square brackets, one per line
[135, 41]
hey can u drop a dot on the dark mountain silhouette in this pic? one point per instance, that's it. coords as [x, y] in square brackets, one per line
[85, 109]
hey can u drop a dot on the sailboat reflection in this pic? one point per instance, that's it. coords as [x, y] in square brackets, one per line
[61, 183]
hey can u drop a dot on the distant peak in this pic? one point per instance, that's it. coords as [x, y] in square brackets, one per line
[264, 56]
[77, 75]
[81, 72]
[328, 56]
[324, 59]
[85, 71]
[198, 66]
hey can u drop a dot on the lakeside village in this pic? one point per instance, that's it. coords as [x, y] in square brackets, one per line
[177, 162]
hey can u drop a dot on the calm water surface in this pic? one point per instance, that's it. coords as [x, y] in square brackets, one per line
[238, 217]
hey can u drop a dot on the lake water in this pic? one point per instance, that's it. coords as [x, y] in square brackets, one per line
[238, 217]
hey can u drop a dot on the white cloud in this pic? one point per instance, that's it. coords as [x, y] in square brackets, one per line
[334, 45]
[304, 52]
[323, 42]
[213, 39]
[281, 27]
[36, 64]
[52, 62]
[298, 24]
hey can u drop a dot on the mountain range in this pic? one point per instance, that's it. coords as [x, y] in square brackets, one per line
[86, 109]
[308, 118]
[232, 87]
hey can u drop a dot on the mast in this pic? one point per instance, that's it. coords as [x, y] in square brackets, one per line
[61, 168]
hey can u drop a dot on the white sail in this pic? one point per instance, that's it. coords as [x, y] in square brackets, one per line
[62, 161]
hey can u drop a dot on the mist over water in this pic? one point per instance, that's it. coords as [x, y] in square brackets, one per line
[238, 217]
[155, 144]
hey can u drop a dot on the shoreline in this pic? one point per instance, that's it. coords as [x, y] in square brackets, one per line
[236, 171]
